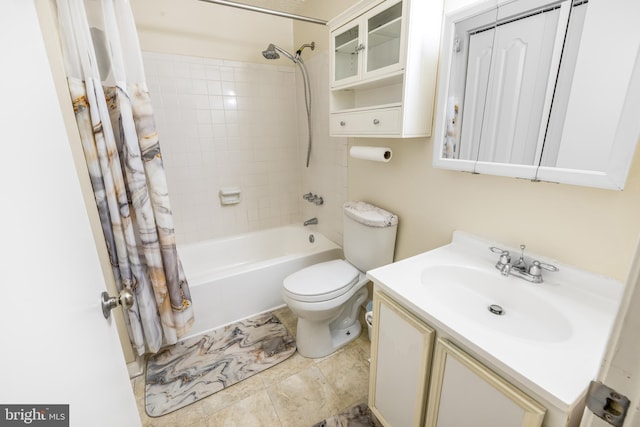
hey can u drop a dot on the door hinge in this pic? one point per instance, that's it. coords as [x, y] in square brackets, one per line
[607, 403]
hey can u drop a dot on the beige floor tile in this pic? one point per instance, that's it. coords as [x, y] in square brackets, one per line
[192, 415]
[347, 372]
[288, 319]
[304, 398]
[255, 410]
[363, 342]
[138, 384]
[286, 368]
[231, 395]
[168, 420]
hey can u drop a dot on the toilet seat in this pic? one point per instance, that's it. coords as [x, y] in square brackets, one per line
[321, 282]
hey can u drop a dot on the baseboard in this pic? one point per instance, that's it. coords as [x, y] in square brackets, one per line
[136, 368]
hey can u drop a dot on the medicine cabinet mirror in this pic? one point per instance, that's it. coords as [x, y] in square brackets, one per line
[540, 89]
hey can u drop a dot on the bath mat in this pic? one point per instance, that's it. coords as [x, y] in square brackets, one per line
[357, 416]
[205, 364]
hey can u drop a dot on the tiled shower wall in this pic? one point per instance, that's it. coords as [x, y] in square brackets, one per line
[223, 124]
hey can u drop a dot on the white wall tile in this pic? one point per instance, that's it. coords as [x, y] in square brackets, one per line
[228, 123]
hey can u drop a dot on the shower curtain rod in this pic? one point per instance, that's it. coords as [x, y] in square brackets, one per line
[267, 11]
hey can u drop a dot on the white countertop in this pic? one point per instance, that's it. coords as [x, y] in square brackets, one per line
[559, 368]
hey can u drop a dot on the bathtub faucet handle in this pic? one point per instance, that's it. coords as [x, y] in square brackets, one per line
[307, 196]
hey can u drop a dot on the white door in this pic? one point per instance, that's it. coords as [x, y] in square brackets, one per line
[57, 348]
[620, 368]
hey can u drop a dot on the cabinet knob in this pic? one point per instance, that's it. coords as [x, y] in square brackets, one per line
[342, 123]
[359, 47]
[376, 121]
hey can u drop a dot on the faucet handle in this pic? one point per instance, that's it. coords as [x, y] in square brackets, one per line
[505, 257]
[545, 266]
[497, 250]
[536, 268]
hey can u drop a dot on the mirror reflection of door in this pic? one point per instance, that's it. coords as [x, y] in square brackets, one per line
[545, 90]
[508, 78]
[520, 70]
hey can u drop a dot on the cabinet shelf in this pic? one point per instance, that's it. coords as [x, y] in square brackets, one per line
[348, 47]
[371, 108]
[386, 32]
[391, 78]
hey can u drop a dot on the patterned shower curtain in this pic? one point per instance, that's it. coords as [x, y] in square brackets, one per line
[106, 81]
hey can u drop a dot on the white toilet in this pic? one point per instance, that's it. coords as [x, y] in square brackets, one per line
[326, 297]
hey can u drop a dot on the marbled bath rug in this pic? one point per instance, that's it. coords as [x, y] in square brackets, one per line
[205, 364]
[356, 416]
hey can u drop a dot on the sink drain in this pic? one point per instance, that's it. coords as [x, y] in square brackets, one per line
[496, 309]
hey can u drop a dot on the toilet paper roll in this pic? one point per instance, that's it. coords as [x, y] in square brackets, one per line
[377, 154]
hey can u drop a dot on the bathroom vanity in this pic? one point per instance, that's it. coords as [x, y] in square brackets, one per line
[456, 342]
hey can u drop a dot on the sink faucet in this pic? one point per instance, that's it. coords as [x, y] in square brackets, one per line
[531, 273]
[521, 264]
[311, 221]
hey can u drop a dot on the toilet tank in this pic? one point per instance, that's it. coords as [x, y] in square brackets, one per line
[369, 235]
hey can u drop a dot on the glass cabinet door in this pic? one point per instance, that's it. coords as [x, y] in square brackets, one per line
[384, 31]
[347, 47]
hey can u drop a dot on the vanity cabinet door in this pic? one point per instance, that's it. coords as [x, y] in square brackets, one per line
[400, 359]
[464, 392]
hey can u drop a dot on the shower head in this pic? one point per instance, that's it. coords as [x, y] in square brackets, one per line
[270, 52]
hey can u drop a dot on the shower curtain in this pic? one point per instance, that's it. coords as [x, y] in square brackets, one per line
[113, 111]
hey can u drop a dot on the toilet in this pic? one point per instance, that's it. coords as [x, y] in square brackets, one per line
[326, 297]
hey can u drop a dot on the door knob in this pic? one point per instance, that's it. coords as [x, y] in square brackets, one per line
[124, 298]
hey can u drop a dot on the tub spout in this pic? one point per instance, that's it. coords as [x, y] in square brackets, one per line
[311, 221]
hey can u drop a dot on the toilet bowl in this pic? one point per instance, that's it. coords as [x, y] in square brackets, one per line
[327, 297]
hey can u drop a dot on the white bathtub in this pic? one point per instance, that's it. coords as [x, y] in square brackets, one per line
[235, 277]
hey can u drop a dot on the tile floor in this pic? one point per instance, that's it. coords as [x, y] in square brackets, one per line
[298, 392]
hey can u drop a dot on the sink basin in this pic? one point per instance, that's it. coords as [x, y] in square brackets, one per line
[504, 304]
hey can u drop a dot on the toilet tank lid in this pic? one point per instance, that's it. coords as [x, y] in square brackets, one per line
[370, 215]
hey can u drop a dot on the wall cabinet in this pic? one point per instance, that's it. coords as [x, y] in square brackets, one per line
[407, 387]
[383, 63]
[369, 45]
[540, 89]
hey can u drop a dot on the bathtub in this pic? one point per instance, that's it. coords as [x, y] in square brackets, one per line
[235, 277]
